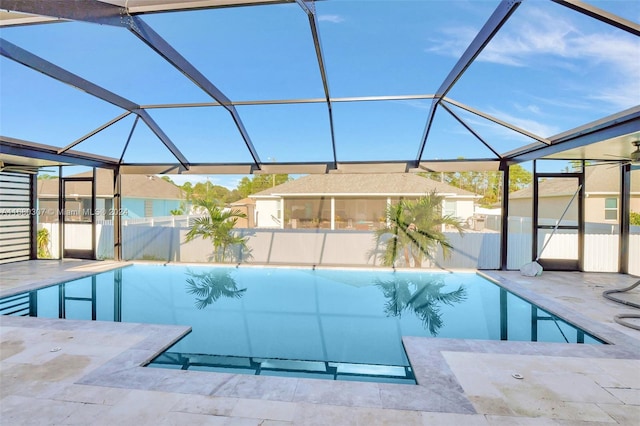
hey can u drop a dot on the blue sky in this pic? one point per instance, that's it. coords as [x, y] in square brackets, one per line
[548, 70]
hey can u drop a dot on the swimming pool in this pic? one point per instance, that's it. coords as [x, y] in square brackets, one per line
[346, 324]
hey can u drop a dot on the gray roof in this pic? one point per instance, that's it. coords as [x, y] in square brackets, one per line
[133, 186]
[380, 184]
[598, 179]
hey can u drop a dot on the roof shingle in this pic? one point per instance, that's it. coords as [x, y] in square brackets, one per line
[382, 184]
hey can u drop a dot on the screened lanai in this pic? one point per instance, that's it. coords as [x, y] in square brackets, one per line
[329, 87]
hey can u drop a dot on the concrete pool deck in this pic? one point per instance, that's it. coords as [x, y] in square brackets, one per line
[80, 372]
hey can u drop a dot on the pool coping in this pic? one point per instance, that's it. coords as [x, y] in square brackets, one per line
[70, 275]
[599, 330]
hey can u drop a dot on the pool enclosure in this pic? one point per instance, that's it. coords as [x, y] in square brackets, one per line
[348, 88]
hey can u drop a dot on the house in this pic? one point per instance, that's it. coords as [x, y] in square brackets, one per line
[350, 201]
[602, 197]
[142, 196]
[246, 206]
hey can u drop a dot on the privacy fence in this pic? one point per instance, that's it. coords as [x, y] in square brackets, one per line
[163, 239]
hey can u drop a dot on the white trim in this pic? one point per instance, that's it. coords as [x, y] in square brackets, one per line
[361, 194]
[333, 213]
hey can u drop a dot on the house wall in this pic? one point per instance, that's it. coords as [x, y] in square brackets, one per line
[553, 208]
[266, 213]
[361, 213]
[136, 207]
[164, 207]
[594, 207]
[133, 207]
[464, 209]
[249, 211]
[350, 213]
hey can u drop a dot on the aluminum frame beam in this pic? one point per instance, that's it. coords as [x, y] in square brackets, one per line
[19, 147]
[624, 218]
[93, 132]
[497, 121]
[292, 101]
[620, 124]
[313, 24]
[497, 19]
[601, 15]
[107, 14]
[36, 63]
[470, 130]
[322, 167]
[144, 115]
[152, 39]
[126, 144]
[77, 10]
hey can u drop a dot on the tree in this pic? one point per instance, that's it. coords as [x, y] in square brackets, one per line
[211, 286]
[485, 183]
[634, 218]
[43, 243]
[420, 297]
[257, 183]
[519, 178]
[218, 226]
[414, 227]
[167, 179]
[187, 187]
[46, 176]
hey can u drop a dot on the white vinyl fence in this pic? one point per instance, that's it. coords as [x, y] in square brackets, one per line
[163, 239]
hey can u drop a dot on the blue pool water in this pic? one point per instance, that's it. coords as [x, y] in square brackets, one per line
[303, 322]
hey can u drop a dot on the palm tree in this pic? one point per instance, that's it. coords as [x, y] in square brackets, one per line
[414, 227]
[211, 286]
[218, 226]
[43, 243]
[420, 297]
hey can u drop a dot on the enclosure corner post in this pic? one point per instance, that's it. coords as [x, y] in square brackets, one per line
[504, 228]
[117, 216]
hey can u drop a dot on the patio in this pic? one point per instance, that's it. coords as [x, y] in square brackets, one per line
[95, 377]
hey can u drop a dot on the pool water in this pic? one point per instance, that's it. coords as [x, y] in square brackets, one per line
[342, 324]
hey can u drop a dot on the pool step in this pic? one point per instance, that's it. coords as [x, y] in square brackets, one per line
[286, 367]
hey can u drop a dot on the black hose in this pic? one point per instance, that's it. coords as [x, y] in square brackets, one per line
[619, 318]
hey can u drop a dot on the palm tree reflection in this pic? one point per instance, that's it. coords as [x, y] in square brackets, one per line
[211, 286]
[423, 298]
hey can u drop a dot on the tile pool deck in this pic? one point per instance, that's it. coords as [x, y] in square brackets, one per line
[93, 375]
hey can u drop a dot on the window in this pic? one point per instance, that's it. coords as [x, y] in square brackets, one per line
[611, 209]
[450, 207]
[148, 208]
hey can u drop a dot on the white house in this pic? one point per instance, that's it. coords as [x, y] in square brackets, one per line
[350, 201]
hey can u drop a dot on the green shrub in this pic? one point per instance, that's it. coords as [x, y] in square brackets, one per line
[43, 244]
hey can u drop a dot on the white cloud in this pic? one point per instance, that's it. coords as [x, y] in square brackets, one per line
[414, 103]
[490, 129]
[335, 19]
[528, 109]
[536, 37]
[528, 124]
